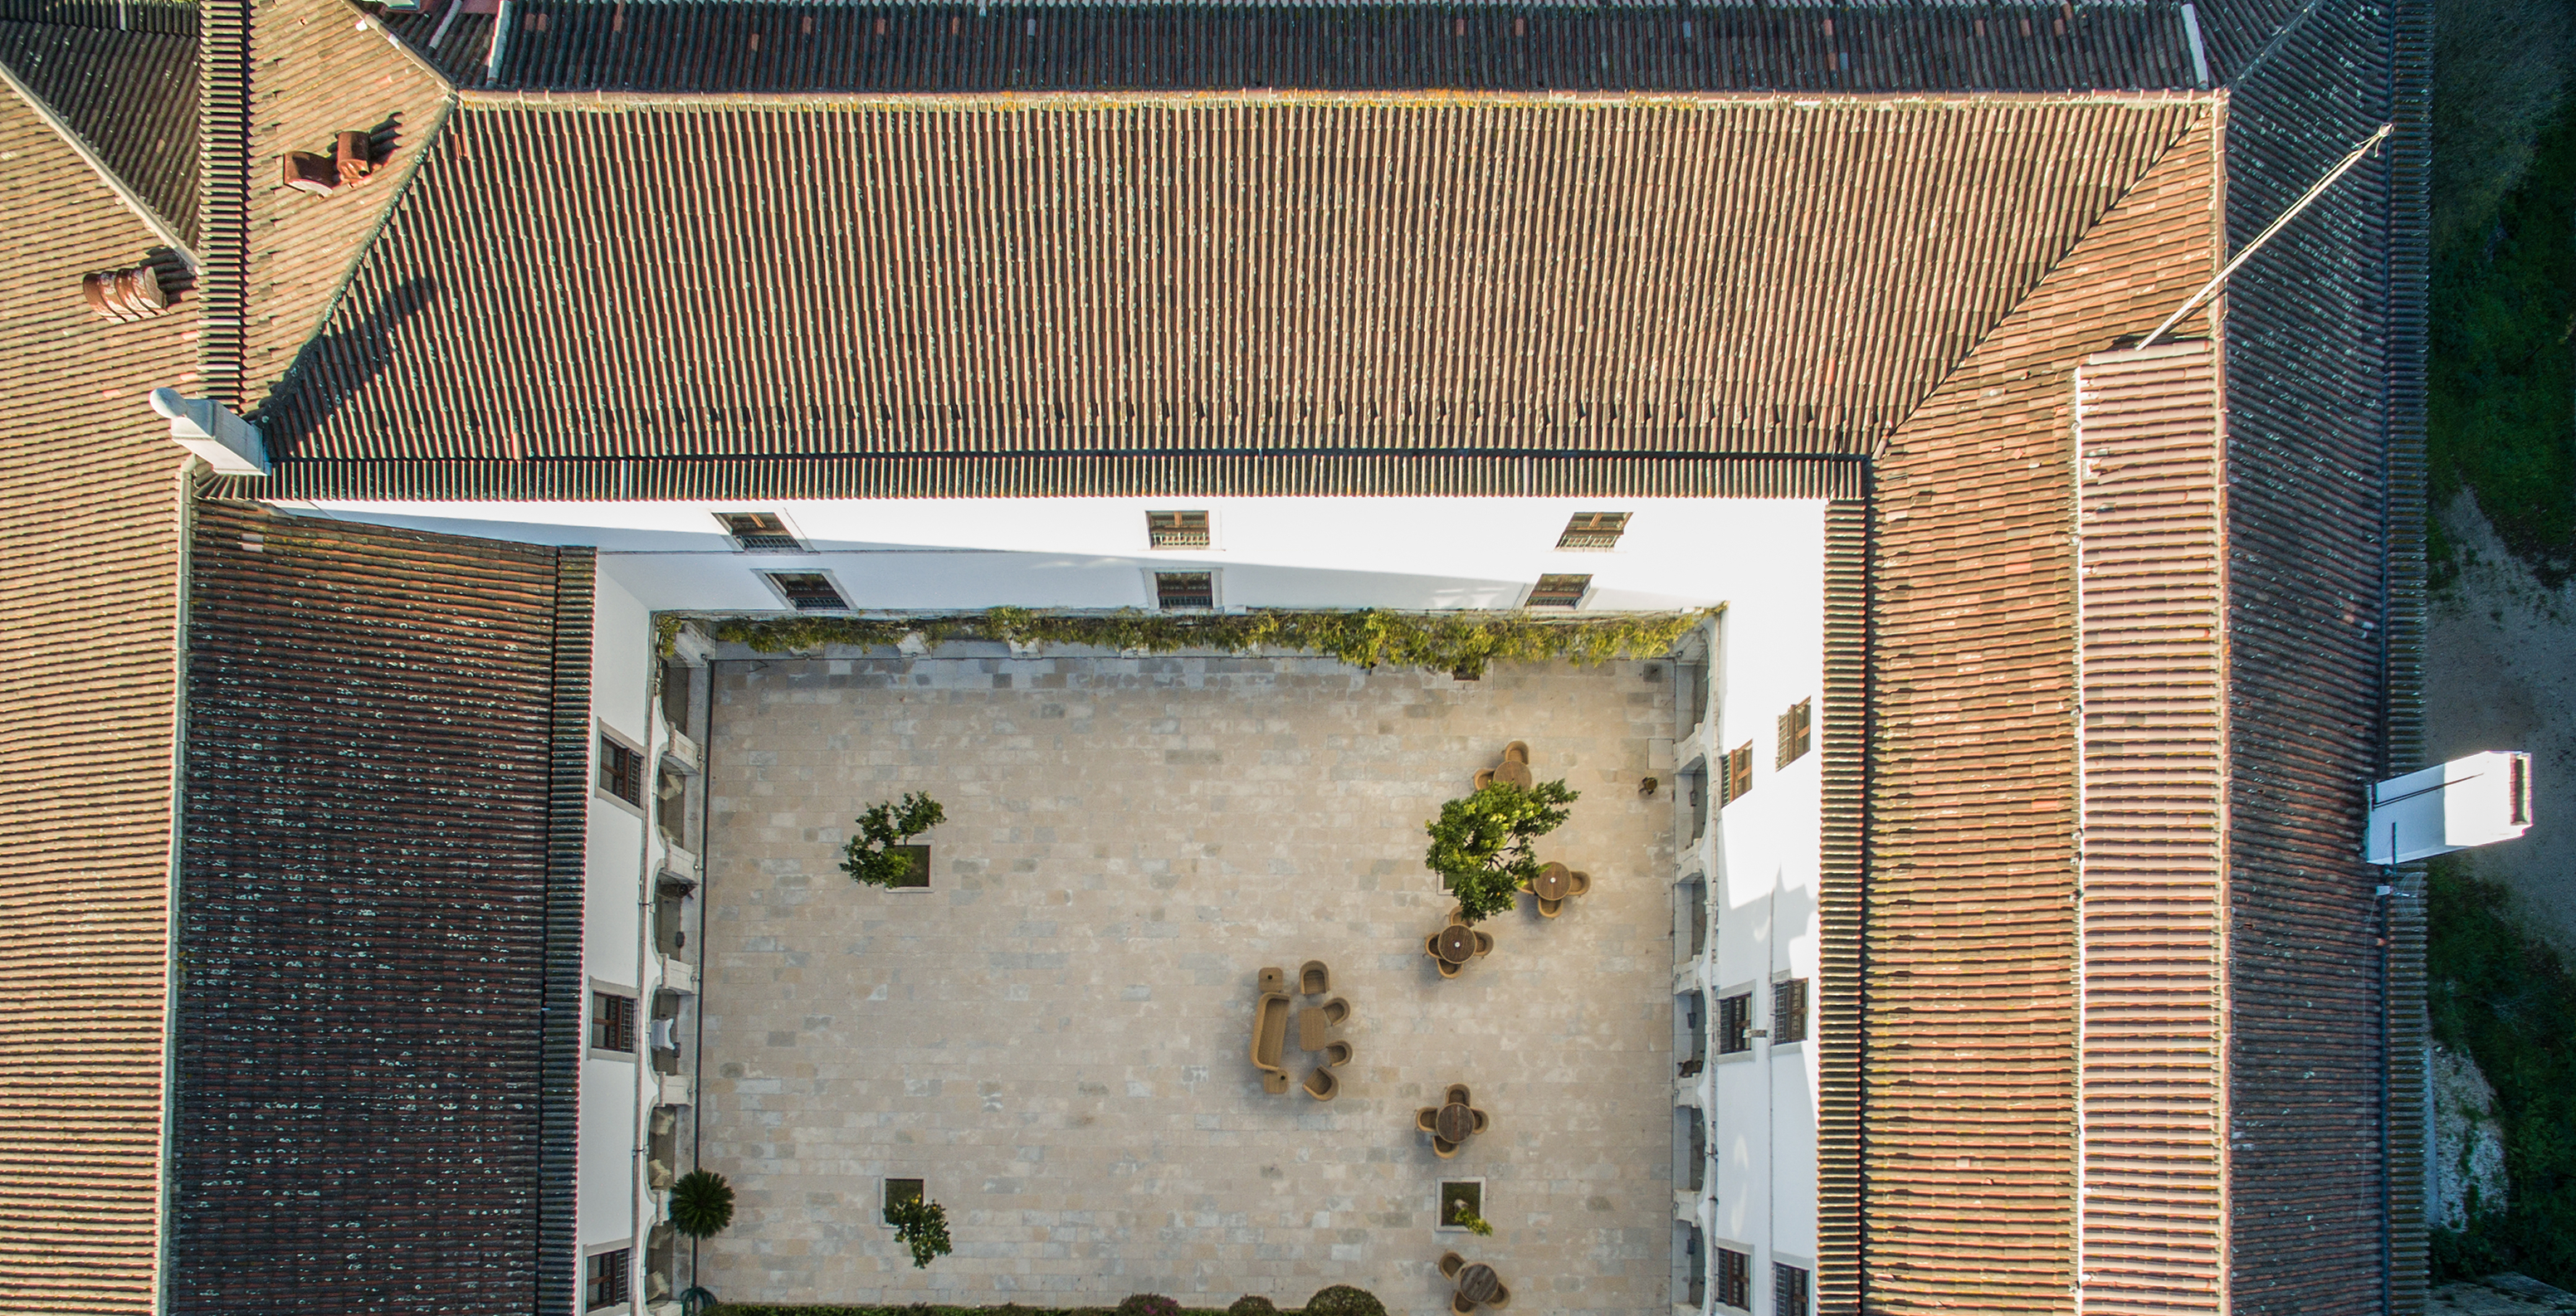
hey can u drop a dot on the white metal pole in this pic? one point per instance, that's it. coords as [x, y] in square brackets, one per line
[2266, 235]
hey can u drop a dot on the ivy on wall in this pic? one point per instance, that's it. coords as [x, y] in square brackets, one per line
[1462, 642]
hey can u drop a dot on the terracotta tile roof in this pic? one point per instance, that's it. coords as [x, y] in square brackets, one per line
[2151, 601]
[1969, 1120]
[89, 572]
[901, 294]
[324, 69]
[1844, 50]
[373, 1112]
[123, 77]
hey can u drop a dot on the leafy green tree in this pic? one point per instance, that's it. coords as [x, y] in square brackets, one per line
[872, 856]
[1482, 844]
[922, 1225]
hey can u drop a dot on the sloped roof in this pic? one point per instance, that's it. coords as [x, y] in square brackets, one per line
[378, 1034]
[639, 297]
[325, 69]
[124, 79]
[89, 595]
[581, 45]
[1972, 1036]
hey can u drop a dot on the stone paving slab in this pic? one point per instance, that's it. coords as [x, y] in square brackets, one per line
[1055, 1036]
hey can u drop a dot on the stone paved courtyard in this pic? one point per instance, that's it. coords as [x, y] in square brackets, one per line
[1055, 1035]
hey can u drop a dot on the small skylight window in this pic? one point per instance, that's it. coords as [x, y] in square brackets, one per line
[1177, 529]
[1592, 532]
[760, 532]
[1559, 591]
[807, 591]
[1184, 589]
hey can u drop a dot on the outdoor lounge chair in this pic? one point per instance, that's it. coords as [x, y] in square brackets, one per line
[1459, 1303]
[1517, 752]
[1550, 908]
[1313, 979]
[1447, 970]
[1322, 1086]
[1337, 1054]
[1457, 1095]
[1442, 1147]
[1484, 777]
[1580, 884]
[1479, 1117]
[1450, 1264]
[1426, 1119]
[1484, 943]
[1502, 1297]
[1337, 1012]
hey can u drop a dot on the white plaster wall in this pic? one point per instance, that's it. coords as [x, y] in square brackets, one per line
[1770, 655]
[1091, 552]
[603, 1202]
[612, 919]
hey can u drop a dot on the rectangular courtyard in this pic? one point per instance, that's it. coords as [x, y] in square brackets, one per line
[1054, 1036]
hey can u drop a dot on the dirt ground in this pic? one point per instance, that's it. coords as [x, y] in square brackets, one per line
[2500, 673]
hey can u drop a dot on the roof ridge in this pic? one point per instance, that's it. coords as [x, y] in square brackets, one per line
[2074, 242]
[152, 218]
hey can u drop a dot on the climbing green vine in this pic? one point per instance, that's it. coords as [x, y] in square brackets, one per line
[1463, 642]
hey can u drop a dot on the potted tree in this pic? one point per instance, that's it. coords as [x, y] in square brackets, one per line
[879, 856]
[1481, 845]
[922, 1226]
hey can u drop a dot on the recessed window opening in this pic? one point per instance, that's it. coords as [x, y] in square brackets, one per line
[604, 1282]
[1460, 1198]
[1734, 1279]
[1177, 530]
[1788, 1011]
[1184, 589]
[1735, 1024]
[760, 532]
[1690, 1265]
[1738, 781]
[621, 771]
[807, 591]
[1690, 1031]
[1690, 1149]
[1794, 732]
[898, 1192]
[1790, 1294]
[612, 1022]
[2520, 770]
[1592, 532]
[1559, 591]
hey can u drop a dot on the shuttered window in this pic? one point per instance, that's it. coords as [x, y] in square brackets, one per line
[760, 532]
[1790, 1295]
[1184, 589]
[1735, 1023]
[1734, 1280]
[1177, 529]
[1789, 1011]
[604, 1282]
[1795, 732]
[1559, 591]
[621, 771]
[1594, 532]
[1738, 780]
[807, 591]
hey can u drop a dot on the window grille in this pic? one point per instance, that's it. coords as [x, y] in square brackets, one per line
[808, 591]
[1559, 591]
[1735, 1023]
[621, 771]
[1789, 1295]
[1184, 589]
[1734, 1280]
[1794, 732]
[1177, 529]
[760, 532]
[1594, 532]
[1789, 1011]
[612, 1022]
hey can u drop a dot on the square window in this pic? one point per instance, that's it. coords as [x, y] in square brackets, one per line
[760, 532]
[1184, 589]
[1559, 591]
[1592, 532]
[1457, 1193]
[604, 1279]
[612, 1022]
[1794, 732]
[1177, 530]
[1738, 781]
[899, 1191]
[621, 771]
[1788, 1011]
[1789, 1296]
[1735, 1023]
[807, 591]
[1734, 1280]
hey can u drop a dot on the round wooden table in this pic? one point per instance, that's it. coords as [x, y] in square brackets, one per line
[1456, 943]
[1479, 1283]
[1517, 774]
[1454, 1123]
[1554, 882]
